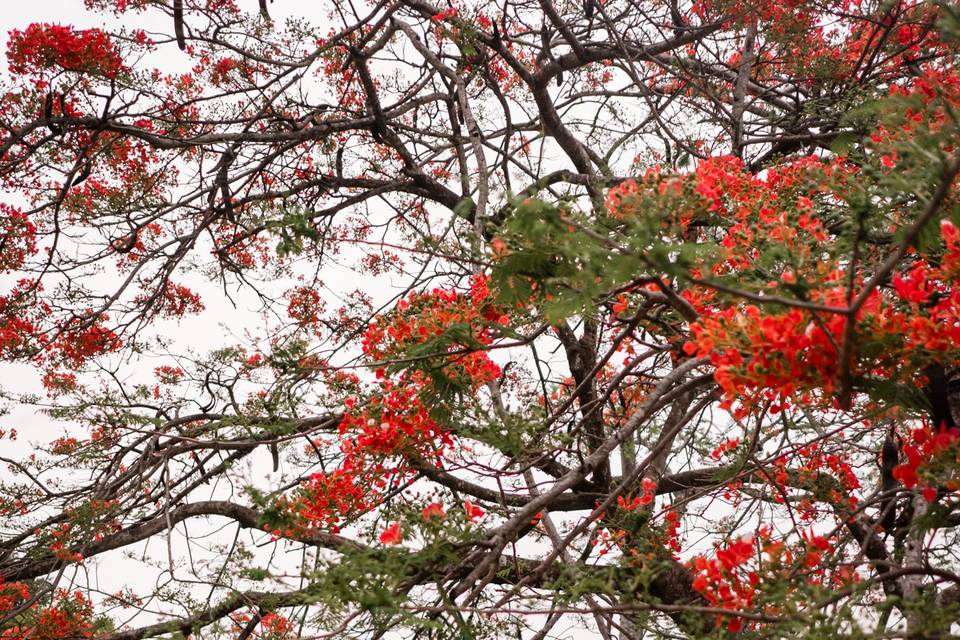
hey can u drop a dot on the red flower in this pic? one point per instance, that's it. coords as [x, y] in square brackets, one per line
[474, 512]
[907, 475]
[913, 288]
[392, 534]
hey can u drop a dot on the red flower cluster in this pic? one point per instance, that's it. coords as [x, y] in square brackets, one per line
[118, 5]
[76, 346]
[173, 301]
[305, 306]
[324, 499]
[11, 594]
[67, 618]
[272, 626]
[672, 529]
[815, 547]
[166, 374]
[725, 447]
[394, 422]
[60, 541]
[769, 357]
[923, 449]
[57, 383]
[397, 421]
[775, 207]
[795, 354]
[720, 582]
[21, 336]
[732, 578]
[459, 325]
[649, 486]
[921, 106]
[45, 46]
[64, 445]
[446, 14]
[17, 238]
[18, 324]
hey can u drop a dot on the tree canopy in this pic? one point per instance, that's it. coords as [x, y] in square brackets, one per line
[529, 319]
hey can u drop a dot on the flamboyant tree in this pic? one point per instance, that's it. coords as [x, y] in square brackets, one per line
[607, 318]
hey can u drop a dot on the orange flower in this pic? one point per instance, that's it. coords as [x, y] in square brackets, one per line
[433, 510]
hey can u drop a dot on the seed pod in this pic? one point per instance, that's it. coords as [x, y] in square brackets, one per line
[178, 24]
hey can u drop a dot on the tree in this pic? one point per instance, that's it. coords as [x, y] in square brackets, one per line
[640, 316]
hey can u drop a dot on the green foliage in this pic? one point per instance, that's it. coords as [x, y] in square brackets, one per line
[255, 573]
[293, 229]
[569, 261]
[430, 357]
[553, 260]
